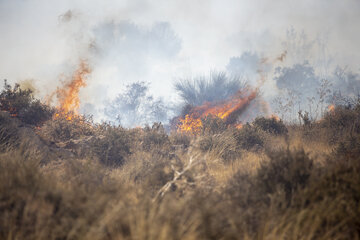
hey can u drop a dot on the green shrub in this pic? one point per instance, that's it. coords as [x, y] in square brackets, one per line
[270, 125]
[22, 105]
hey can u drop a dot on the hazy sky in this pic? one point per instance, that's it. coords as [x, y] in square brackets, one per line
[162, 41]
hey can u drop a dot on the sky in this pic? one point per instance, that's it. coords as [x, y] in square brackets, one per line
[162, 41]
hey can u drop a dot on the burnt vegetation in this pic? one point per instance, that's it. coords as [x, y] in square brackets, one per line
[75, 179]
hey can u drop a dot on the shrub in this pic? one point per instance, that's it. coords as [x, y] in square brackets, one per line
[249, 204]
[222, 145]
[286, 171]
[248, 138]
[270, 125]
[9, 136]
[328, 207]
[154, 137]
[213, 125]
[182, 140]
[61, 129]
[36, 206]
[21, 104]
[216, 87]
[150, 170]
[341, 122]
[112, 146]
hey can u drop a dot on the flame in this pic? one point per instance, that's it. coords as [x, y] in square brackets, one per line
[277, 118]
[68, 95]
[231, 109]
[190, 123]
[331, 108]
[227, 110]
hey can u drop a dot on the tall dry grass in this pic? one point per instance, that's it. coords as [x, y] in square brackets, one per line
[78, 180]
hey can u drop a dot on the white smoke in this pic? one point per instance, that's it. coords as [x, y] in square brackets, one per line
[139, 40]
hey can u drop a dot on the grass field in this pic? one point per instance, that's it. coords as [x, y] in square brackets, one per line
[74, 179]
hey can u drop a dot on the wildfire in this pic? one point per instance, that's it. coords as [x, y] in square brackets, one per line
[227, 110]
[68, 95]
[190, 123]
[331, 108]
[273, 116]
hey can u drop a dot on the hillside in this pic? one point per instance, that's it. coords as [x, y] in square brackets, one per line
[71, 178]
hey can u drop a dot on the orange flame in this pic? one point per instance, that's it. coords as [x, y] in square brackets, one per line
[276, 117]
[331, 108]
[228, 111]
[68, 95]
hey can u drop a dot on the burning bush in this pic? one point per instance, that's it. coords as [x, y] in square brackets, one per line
[22, 105]
[216, 114]
[213, 125]
[217, 87]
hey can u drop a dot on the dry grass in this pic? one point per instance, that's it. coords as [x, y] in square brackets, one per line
[58, 182]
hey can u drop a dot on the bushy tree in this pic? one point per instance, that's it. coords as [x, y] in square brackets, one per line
[22, 104]
[346, 82]
[300, 78]
[247, 64]
[136, 107]
[215, 87]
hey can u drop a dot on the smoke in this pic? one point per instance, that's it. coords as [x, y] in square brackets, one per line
[246, 65]
[136, 107]
[127, 42]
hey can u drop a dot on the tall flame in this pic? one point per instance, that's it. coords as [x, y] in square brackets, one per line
[228, 111]
[68, 95]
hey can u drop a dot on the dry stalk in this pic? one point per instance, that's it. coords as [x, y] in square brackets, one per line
[177, 175]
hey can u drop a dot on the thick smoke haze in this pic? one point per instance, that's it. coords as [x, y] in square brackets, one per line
[127, 42]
